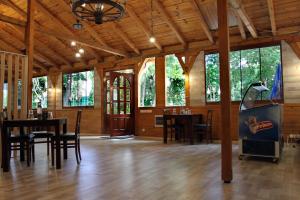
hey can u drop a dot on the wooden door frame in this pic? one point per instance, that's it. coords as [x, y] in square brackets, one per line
[103, 90]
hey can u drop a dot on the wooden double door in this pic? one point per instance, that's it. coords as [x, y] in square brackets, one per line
[119, 104]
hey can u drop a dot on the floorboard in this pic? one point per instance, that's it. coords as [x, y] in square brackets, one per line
[147, 169]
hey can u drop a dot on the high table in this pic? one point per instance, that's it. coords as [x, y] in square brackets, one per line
[188, 119]
[27, 123]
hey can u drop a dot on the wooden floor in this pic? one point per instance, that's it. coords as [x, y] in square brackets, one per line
[145, 169]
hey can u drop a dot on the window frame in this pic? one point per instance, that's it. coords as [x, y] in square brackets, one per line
[240, 48]
[62, 96]
[47, 89]
[149, 59]
[166, 89]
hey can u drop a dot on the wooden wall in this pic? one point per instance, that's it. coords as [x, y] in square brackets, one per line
[91, 124]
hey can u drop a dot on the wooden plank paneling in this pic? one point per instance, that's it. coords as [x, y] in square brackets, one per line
[16, 80]
[2, 76]
[24, 101]
[9, 85]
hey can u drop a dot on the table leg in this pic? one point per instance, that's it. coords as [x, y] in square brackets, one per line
[5, 151]
[190, 130]
[65, 142]
[57, 144]
[165, 131]
[22, 154]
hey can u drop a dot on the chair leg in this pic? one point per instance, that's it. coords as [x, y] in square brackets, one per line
[48, 146]
[76, 152]
[206, 133]
[28, 153]
[79, 149]
[33, 152]
[52, 151]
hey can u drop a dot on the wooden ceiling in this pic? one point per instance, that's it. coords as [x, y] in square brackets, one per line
[178, 25]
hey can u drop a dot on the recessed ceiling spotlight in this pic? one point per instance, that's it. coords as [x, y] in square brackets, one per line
[77, 55]
[73, 43]
[81, 51]
[152, 39]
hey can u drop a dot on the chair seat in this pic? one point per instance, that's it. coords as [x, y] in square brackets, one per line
[18, 138]
[68, 136]
[201, 125]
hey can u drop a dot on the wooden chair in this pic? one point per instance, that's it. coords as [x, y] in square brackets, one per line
[15, 141]
[69, 140]
[205, 129]
[42, 136]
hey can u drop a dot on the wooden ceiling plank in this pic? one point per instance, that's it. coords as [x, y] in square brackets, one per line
[12, 20]
[235, 4]
[117, 29]
[272, 16]
[141, 24]
[240, 24]
[11, 4]
[160, 7]
[202, 21]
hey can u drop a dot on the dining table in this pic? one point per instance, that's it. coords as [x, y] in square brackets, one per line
[188, 120]
[56, 123]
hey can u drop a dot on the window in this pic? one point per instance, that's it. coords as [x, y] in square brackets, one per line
[175, 82]
[147, 91]
[78, 89]
[246, 67]
[39, 91]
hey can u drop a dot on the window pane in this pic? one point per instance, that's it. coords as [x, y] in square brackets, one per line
[122, 109]
[115, 109]
[270, 59]
[121, 81]
[175, 82]
[78, 89]
[250, 68]
[128, 95]
[122, 94]
[39, 91]
[212, 78]
[128, 108]
[235, 76]
[107, 108]
[147, 92]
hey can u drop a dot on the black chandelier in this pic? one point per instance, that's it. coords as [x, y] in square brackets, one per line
[99, 11]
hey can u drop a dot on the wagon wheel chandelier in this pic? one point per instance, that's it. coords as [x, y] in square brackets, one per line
[98, 11]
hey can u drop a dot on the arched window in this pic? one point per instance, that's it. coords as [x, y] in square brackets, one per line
[175, 82]
[147, 91]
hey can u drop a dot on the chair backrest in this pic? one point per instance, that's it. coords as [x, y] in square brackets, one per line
[209, 117]
[78, 120]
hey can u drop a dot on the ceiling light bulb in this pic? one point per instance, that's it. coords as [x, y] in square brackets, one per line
[77, 55]
[83, 5]
[102, 7]
[81, 51]
[73, 43]
[152, 39]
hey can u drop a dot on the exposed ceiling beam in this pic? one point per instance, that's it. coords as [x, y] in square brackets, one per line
[68, 37]
[240, 24]
[272, 16]
[295, 47]
[141, 24]
[202, 21]
[125, 37]
[235, 4]
[160, 7]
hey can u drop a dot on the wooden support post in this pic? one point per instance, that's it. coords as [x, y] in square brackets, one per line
[102, 95]
[225, 90]
[160, 81]
[2, 76]
[29, 39]
[24, 62]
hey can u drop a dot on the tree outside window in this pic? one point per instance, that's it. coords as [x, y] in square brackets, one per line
[39, 91]
[175, 82]
[246, 67]
[147, 88]
[78, 89]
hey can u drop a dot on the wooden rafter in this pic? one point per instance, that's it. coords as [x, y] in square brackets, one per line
[244, 16]
[12, 20]
[125, 37]
[295, 47]
[202, 21]
[142, 26]
[14, 6]
[240, 23]
[160, 7]
[272, 16]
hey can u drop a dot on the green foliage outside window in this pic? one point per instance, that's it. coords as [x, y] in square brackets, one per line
[175, 82]
[246, 67]
[147, 91]
[39, 91]
[78, 89]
